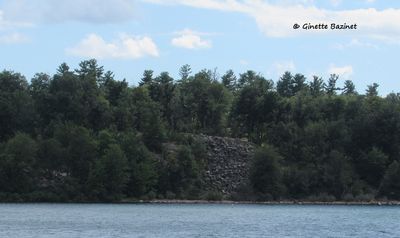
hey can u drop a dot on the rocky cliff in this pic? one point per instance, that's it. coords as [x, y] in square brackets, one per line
[228, 163]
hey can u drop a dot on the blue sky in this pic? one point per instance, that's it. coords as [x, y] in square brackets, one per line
[129, 36]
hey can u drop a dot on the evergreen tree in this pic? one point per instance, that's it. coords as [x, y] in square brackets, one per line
[284, 85]
[229, 80]
[317, 86]
[331, 88]
[147, 78]
[372, 90]
[185, 72]
[298, 83]
[349, 88]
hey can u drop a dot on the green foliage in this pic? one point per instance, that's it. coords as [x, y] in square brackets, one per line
[185, 72]
[284, 85]
[372, 90]
[390, 185]
[254, 105]
[114, 90]
[148, 119]
[371, 166]
[266, 174]
[316, 86]
[331, 86]
[16, 109]
[337, 175]
[298, 83]
[82, 135]
[17, 165]
[109, 176]
[298, 181]
[147, 78]
[201, 105]
[162, 91]
[349, 88]
[181, 172]
[80, 149]
[213, 196]
[252, 78]
[229, 80]
[51, 156]
[142, 166]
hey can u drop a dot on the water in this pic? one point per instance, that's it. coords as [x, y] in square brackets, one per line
[156, 220]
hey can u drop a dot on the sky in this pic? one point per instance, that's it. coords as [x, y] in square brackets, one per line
[130, 36]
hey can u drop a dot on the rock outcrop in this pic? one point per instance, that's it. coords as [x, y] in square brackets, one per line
[228, 163]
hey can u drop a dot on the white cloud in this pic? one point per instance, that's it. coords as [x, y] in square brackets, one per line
[97, 11]
[13, 38]
[7, 24]
[225, 5]
[8, 35]
[336, 3]
[291, 2]
[243, 62]
[190, 40]
[125, 47]
[282, 66]
[355, 43]
[344, 71]
[2, 21]
[276, 20]
[387, 39]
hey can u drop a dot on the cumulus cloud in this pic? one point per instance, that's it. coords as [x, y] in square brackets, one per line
[243, 62]
[336, 3]
[282, 66]
[343, 71]
[96, 11]
[355, 43]
[13, 38]
[6, 24]
[8, 33]
[190, 40]
[276, 20]
[2, 21]
[125, 47]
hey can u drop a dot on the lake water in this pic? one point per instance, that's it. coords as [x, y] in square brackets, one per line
[203, 220]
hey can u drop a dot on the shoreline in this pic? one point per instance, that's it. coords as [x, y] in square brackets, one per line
[283, 202]
[222, 202]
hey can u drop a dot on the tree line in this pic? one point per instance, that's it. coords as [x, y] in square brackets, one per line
[82, 135]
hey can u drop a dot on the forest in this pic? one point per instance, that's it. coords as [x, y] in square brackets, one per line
[82, 135]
